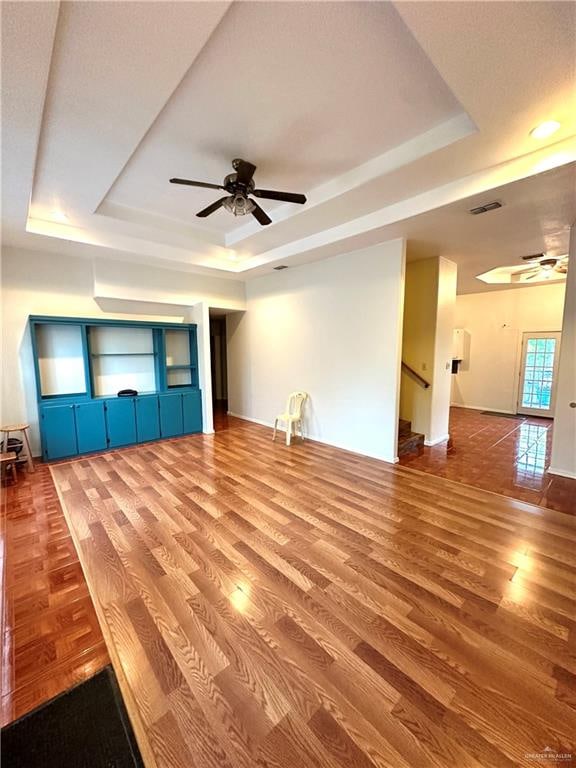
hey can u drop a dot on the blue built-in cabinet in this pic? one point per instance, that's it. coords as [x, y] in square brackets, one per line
[58, 430]
[81, 364]
[147, 418]
[121, 421]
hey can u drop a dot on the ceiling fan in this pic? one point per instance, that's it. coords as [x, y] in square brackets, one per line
[239, 186]
[543, 267]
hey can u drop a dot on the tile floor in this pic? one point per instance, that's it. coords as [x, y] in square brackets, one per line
[508, 455]
[51, 637]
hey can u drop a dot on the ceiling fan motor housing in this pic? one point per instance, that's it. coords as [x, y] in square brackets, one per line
[232, 185]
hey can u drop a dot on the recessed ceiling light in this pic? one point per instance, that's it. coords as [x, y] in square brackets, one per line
[59, 216]
[545, 129]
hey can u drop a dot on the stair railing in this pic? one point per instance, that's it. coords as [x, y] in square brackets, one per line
[414, 375]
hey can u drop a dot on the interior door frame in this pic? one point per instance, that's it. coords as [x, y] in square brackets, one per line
[549, 413]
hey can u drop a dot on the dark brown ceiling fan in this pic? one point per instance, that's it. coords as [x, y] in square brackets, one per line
[239, 186]
[542, 267]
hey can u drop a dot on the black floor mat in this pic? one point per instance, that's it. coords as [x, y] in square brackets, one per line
[86, 727]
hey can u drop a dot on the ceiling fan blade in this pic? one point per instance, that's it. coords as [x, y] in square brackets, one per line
[287, 197]
[244, 171]
[534, 269]
[533, 257]
[196, 183]
[211, 208]
[260, 215]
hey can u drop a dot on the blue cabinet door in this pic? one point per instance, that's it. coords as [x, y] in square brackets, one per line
[121, 421]
[171, 422]
[58, 432]
[192, 411]
[147, 419]
[90, 427]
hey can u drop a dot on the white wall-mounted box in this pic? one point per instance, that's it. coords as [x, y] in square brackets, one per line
[458, 344]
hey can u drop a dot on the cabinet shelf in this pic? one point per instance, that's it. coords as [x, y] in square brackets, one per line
[81, 365]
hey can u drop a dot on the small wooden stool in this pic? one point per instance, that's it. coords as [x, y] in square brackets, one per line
[24, 429]
[9, 458]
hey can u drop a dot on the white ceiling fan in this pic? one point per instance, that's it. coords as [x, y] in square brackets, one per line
[542, 267]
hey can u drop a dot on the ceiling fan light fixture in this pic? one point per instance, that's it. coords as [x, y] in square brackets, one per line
[545, 129]
[239, 205]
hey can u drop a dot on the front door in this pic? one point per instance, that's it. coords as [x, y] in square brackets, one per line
[538, 373]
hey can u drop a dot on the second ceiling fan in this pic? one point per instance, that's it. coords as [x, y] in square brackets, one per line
[239, 186]
[542, 266]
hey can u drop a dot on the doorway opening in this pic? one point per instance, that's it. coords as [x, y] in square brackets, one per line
[219, 370]
[538, 373]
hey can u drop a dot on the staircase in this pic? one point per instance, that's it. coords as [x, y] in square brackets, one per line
[408, 441]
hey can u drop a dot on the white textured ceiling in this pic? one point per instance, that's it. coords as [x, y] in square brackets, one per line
[305, 91]
[388, 116]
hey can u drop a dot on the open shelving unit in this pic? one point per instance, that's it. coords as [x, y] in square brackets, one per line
[81, 365]
[122, 358]
[180, 369]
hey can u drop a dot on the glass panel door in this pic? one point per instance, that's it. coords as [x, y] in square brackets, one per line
[538, 373]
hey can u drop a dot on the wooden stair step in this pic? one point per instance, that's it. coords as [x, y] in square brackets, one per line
[412, 442]
[404, 427]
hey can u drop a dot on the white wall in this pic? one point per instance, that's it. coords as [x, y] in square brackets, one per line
[495, 321]
[332, 328]
[563, 460]
[35, 283]
[116, 280]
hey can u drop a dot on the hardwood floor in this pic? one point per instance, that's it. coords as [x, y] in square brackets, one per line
[509, 455]
[305, 606]
[51, 639]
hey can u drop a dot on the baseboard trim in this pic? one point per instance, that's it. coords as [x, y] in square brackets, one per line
[249, 418]
[562, 473]
[437, 441]
[482, 408]
[315, 439]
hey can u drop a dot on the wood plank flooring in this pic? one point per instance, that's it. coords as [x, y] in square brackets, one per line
[304, 606]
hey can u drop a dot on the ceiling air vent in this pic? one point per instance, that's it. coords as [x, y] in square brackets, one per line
[485, 208]
[281, 266]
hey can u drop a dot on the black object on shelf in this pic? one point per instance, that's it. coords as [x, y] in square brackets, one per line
[86, 727]
[127, 393]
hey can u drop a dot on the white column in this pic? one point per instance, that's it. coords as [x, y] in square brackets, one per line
[563, 460]
[442, 374]
[200, 314]
[427, 346]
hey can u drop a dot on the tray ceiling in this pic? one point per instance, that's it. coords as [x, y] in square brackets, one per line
[379, 112]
